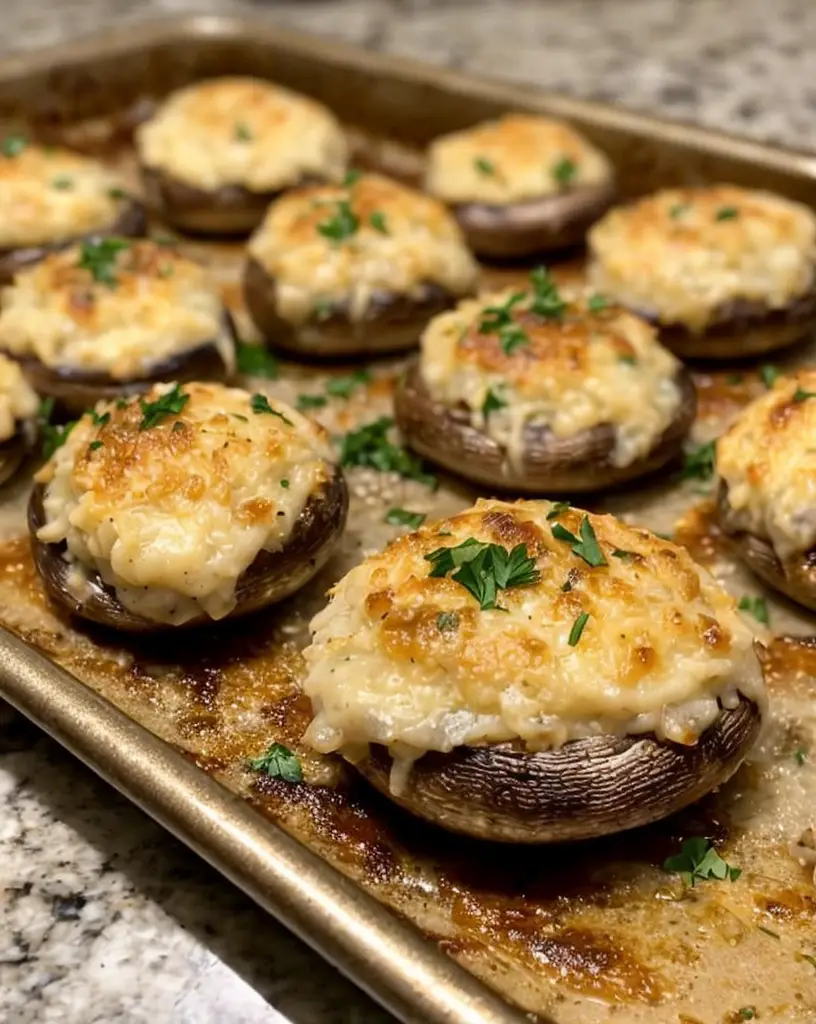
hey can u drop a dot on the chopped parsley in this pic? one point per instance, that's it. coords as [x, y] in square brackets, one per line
[500, 319]
[557, 509]
[484, 166]
[769, 374]
[678, 210]
[699, 464]
[403, 517]
[727, 213]
[351, 178]
[800, 395]
[278, 762]
[767, 931]
[97, 420]
[260, 404]
[547, 301]
[342, 225]
[623, 554]
[169, 404]
[305, 402]
[492, 402]
[99, 257]
[698, 861]
[119, 193]
[343, 387]
[370, 446]
[285, 484]
[578, 629]
[756, 606]
[447, 622]
[628, 360]
[484, 569]
[243, 133]
[63, 183]
[586, 547]
[800, 756]
[596, 303]
[239, 417]
[747, 1012]
[13, 145]
[564, 171]
[378, 222]
[53, 435]
[94, 445]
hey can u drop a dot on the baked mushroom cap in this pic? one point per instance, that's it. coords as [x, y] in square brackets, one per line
[355, 269]
[113, 316]
[545, 391]
[725, 271]
[50, 197]
[767, 467]
[215, 153]
[530, 672]
[187, 505]
[521, 184]
[18, 425]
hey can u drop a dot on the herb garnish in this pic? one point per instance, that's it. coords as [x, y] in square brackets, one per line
[547, 301]
[447, 622]
[557, 509]
[678, 210]
[564, 171]
[698, 861]
[285, 484]
[767, 931]
[169, 404]
[769, 375]
[699, 464]
[378, 222]
[342, 225]
[243, 133]
[99, 257]
[97, 420]
[628, 360]
[596, 303]
[278, 762]
[587, 547]
[747, 1012]
[256, 361]
[119, 193]
[800, 756]
[577, 629]
[756, 606]
[63, 183]
[369, 446]
[809, 959]
[13, 145]
[484, 166]
[403, 517]
[484, 569]
[94, 445]
[800, 395]
[623, 554]
[342, 387]
[492, 402]
[305, 402]
[351, 178]
[500, 318]
[53, 434]
[727, 213]
[260, 404]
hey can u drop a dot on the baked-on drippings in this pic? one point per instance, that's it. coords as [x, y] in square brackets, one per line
[49, 194]
[170, 497]
[592, 364]
[767, 459]
[684, 255]
[355, 243]
[661, 648]
[515, 159]
[17, 400]
[113, 306]
[242, 131]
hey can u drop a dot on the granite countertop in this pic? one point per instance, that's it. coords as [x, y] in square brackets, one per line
[103, 916]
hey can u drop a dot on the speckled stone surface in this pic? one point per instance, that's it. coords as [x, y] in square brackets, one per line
[104, 918]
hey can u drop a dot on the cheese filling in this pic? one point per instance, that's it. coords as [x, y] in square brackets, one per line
[17, 400]
[569, 374]
[139, 305]
[354, 244]
[682, 254]
[242, 131]
[645, 642]
[515, 159]
[170, 508]
[49, 195]
[768, 461]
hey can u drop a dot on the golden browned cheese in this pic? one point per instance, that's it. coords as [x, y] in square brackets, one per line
[170, 513]
[768, 461]
[242, 131]
[49, 194]
[683, 254]
[17, 400]
[393, 240]
[517, 158]
[646, 641]
[596, 364]
[145, 305]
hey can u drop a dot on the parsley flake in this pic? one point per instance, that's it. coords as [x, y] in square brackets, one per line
[94, 445]
[623, 554]
[484, 569]
[558, 508]
[260, 404]
[447, 622]
[256, 361]
[343, 387]
[492, 402]
[769, 374]
[53, 435]
[698, 861]
[99, 258]
[370, 446]
[800, 395]
[13, 145]
[699, 463]
[628, 360]
[278, 762]
[547, 302]
[500, 319]
[63, 183]
[99, 420]
[577, 629]
[597, 303]
[727, 213]
[403, 517]
[243, 133]
[564, 171]
[351, 178]
[285, 484]
[767, 931]
[586, 546]
[169, 404]
[678, 210]
[800, 756]
[119, 193]
[484, 166]
[342, 225]
[756, 606]
[378, 222]
[305, 402]
[747, 1012]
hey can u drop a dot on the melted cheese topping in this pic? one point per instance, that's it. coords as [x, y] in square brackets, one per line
[681, 254]
[517, 158]
[17, 400]
[768, 461]
[159, 305]
[587, 369]
[418, 243]
[49, 195]
[171, 516]
[242, 131]
[662, 649]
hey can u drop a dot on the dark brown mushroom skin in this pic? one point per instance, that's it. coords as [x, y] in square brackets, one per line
[585, 789]
[795, 579]
[392, 323]
[131, 223]
[272, 576]
[75, 390]
[550, 465]
[540, 225]
[15, 449]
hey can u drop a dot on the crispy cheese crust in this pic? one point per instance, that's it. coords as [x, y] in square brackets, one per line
[242, 131]
[587, 368]
[171, 514]
[150, 304]
[515, 159]
[684, 255]
[405, 659]
[394, 241]
[17, 400]
[768, 461]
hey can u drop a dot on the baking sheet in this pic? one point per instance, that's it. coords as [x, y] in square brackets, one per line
[584, 933]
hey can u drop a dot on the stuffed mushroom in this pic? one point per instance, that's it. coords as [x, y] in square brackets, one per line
[354, 270]
[18, 418]
[545, 390]
[50, 197]
[724, 272]
[766, 464]
[216, 153]
[529, 672]
[520, 185]
[113, 316]
[189, 504]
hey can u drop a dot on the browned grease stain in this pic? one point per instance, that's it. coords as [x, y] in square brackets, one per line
[697, 531]
[722, 394]
[789, 665]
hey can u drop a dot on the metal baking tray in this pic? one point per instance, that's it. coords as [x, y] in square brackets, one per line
[434, 927]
